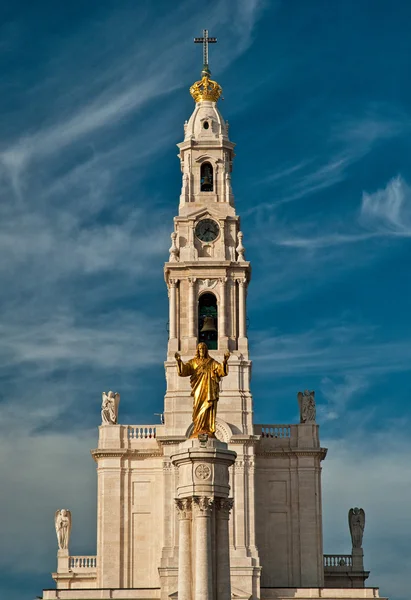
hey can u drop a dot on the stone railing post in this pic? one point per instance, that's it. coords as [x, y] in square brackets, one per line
[203, 511]
[63, 561]
[358, 559]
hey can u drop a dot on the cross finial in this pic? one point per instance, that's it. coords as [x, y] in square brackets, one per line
[205, 40]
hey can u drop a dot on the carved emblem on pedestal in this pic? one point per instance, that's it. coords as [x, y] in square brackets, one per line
[203, 472]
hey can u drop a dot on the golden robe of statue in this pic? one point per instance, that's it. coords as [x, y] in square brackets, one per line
[205, 374]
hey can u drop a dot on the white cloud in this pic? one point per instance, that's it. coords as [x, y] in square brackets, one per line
[339, 393]
[388, 210]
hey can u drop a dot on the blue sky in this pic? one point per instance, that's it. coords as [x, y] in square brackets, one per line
[93, 100]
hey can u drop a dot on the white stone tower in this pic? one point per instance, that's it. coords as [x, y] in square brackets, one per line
[207, 275]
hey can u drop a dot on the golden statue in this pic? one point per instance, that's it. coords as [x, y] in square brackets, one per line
[205, 374]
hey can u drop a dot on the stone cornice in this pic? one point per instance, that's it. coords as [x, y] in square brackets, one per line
[218, 266]
[292, 453]
[170, 441]
[125, 453]
[75, 575]
[246, 440]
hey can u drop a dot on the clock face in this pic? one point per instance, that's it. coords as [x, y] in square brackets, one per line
[207, 230]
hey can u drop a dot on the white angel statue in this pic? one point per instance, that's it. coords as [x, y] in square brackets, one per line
[109, 408]
[356, 521]
[62, 523]
[306, 401]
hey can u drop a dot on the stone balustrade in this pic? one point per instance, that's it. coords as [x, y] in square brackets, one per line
[134, 437]
[142, 432]
[80, 563]
[279, 437]
[273, 431]
[337, 560]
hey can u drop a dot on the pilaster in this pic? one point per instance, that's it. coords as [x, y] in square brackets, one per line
[185, 584]
[223, 507]
[203, 506]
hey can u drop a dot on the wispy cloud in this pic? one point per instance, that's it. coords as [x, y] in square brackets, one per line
[388, 211]
[384, 213]
[330, 349]
[349, 140]
[339, 393]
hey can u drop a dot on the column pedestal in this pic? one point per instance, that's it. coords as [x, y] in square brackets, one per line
[204, 550]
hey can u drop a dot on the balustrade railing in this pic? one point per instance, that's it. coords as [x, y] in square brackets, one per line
[337, 560]
[273, 431]
[141, 432]
[82, 562]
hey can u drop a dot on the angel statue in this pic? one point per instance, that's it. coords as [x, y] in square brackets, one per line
[306, 402]
[205, 374]
[356, 521]
[109, 408]
[62, 523]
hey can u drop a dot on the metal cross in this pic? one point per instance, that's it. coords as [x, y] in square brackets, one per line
[205, 40]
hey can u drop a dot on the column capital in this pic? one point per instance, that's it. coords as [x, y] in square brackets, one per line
[172, 282]
[223, 280]
[203, 505]
[184, 506]
[224, 506]
[191, 281]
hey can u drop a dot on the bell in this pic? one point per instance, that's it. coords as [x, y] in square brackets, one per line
[208, 325]
[206, 180]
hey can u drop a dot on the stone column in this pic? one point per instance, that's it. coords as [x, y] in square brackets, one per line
[223, 507]
[203, 567]
[242, 315]
[192, 308]
[222, 325]
[184, 549]
[173, 309]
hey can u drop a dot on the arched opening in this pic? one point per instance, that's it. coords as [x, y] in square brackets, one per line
[208, 321]
[206, 177]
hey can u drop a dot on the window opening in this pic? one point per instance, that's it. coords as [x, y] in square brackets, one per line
[206, 177]
[208, 321]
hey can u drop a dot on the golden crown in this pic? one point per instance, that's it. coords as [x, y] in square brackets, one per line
[206, 89]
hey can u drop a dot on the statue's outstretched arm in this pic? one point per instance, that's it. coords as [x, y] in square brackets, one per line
[183, 369]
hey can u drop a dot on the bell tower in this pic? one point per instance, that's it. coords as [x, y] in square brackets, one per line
[207, 277]
[207, 274]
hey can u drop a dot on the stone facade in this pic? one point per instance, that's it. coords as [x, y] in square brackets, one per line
[167, 527]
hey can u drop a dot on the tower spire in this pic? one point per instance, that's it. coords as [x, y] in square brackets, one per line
[205, 40]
